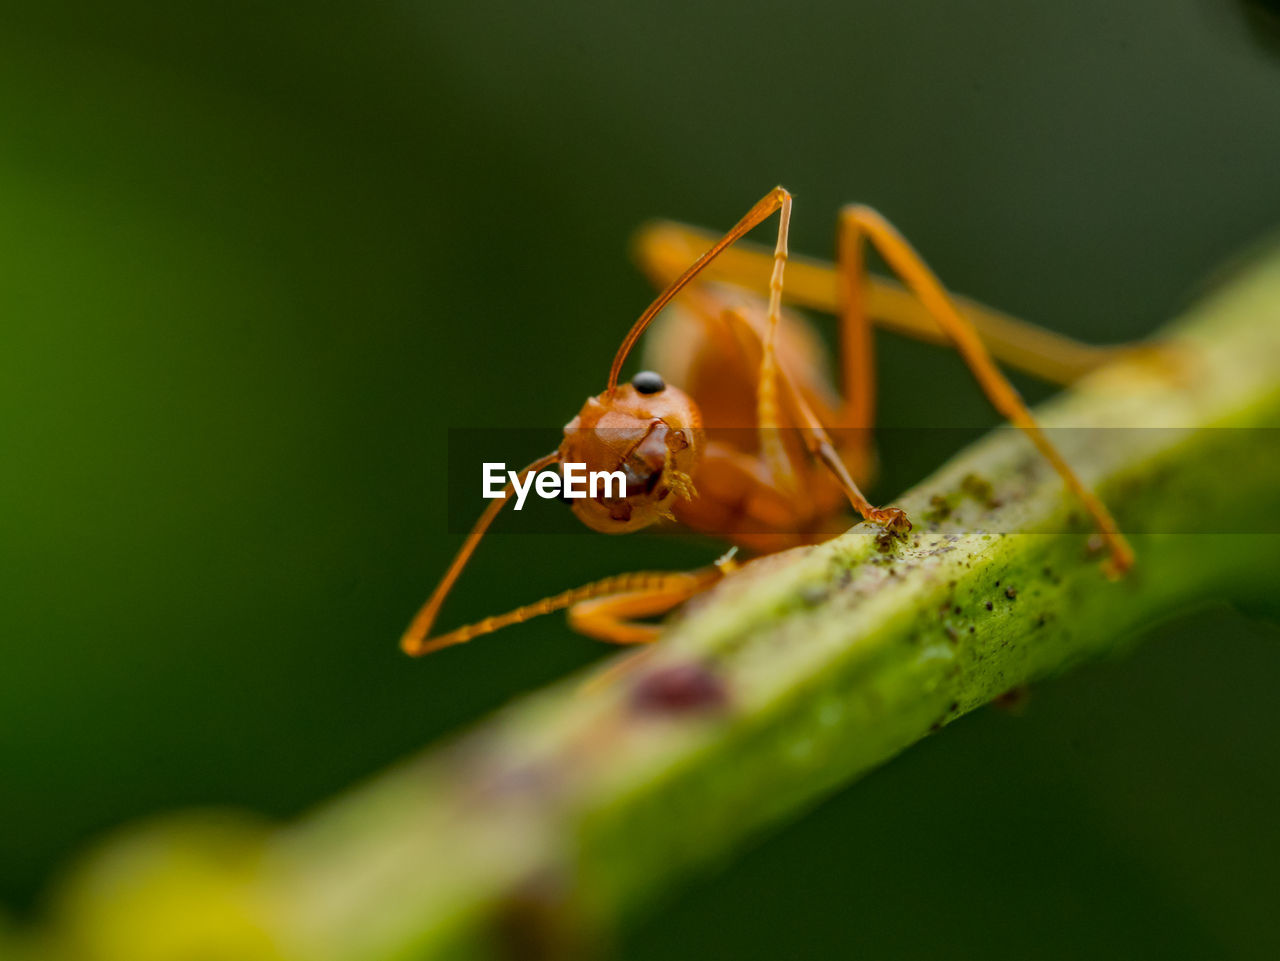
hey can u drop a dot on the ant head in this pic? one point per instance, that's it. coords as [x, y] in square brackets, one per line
[652, 434]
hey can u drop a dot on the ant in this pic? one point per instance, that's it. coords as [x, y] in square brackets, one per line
[782, 481]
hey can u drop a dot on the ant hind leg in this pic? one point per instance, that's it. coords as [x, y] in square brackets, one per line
[859, 223]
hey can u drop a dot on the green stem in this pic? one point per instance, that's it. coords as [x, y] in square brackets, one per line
[567, 812]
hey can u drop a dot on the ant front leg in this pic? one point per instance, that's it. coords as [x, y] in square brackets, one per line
[859, 223]
[599, 609]
[767, 416]
[814, 432]
[613, 617]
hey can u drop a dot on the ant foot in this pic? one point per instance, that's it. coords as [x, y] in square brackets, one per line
[894, 519]
[1118, 565]
[1120, 560]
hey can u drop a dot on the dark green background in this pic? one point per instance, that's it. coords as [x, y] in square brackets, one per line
[255, 260]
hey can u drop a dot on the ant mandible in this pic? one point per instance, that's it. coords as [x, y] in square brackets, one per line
[685, 452]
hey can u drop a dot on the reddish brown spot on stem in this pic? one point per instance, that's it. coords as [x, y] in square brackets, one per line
[1014, 701]
[679, 689]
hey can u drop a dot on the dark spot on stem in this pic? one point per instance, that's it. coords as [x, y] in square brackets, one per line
[886, 541]
[1014, 700]
[679, 689]
[813, 594]
[939, 510]
[979, 489]
[536, 923]
[990, 606]
[1011, 592]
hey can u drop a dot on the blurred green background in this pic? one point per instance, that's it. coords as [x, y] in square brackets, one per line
[257, 258]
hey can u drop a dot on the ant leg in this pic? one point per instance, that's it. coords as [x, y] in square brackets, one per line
[416, 639]
[663, 249]
[819, 442]
[768, 420]
[635, 595]
[859, 223]
[612, 617]
[857, 349]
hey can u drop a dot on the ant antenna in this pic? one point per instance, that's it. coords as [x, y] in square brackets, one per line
[774, 200]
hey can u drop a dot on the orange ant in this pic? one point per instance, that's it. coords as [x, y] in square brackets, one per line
[783, 481]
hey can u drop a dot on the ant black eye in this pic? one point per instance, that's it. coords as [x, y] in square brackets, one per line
[648, 382]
